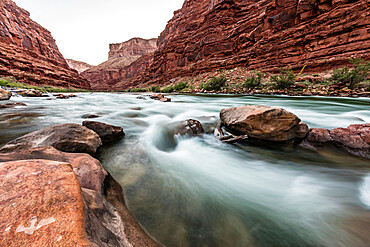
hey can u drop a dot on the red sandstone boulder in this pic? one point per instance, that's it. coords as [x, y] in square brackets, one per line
[355, 139]
[41, 205]
[157, 96]
[263, 122]
[5, 95]
[72, 138]
[11, 105]
[106, 132]
[31, 93]
[89, 171]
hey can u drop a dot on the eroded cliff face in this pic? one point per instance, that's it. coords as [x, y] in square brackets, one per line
[207, 35]
[106, 75]
[79, 66]
[29, 53]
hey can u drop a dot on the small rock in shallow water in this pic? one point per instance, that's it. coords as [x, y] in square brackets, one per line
[5, 95]
[11, 105]
[89, 116]
[191, 127]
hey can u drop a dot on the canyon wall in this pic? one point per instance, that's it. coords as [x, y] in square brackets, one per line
[106, 75]
[79, 66]
[29, 53]
[207, 35]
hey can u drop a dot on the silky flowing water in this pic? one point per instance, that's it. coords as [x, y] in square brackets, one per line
[197, 191]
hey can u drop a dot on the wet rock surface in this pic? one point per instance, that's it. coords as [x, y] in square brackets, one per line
[263, 123]
[11, 105]
[5, 95]
[41, 205]
[189, 127]
[72, 138]
[106, 132]
[89, 171]
[354, 139]
[30, 93]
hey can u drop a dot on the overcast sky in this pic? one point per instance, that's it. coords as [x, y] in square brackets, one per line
[84, 29]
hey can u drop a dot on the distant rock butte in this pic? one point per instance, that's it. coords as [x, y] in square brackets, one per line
[263, 34]
[29, 53]
[79, 66]
[120, 56]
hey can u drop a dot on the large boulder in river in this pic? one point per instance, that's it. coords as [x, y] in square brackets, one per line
[5, 95]
[89, 171]
[354, 139]
[106, 132]
[189, 127]
[72, 138]
[263, 122]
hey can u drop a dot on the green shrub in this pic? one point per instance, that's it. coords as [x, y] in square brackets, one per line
[215, 83]
[180, 86]
[253, 81]
[168, 89]
[284, 79]
[137, 90]
[352, 77]
[155, 89]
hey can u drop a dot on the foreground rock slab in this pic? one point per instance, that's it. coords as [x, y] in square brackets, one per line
[354, 139]
[5, 95]
[106, 132]
[41, 205]
[89, 171]
[72, 138]
[263, 123]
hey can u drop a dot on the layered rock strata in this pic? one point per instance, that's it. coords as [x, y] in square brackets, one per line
[267, 35]
[121, 57]
[29, 53]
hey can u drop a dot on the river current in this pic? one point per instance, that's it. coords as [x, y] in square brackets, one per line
[197, 191]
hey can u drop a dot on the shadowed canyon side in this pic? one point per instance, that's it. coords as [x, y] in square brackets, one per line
[120, 57]
[29, 53]
[268, 35]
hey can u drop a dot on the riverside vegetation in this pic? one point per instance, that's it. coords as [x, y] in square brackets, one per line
[343, 81]
[11, 82]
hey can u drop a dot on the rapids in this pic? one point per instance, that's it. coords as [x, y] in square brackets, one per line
[201, 192]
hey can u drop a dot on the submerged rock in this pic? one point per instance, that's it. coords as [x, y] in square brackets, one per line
[263, 123]
[72, 138]
[160, 97]
[89, 171]
[11, 105]
[354, 139]
[31, 93]
[106, 132]
[5, 95]
[89, 116]
[190, 127]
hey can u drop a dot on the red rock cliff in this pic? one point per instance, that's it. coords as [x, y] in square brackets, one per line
[207, 35]
[121, 55]
[79, 66]
[29, 53]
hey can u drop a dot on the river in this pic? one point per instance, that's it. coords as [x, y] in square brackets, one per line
[201, 192]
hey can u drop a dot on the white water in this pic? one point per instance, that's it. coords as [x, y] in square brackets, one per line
[201, 192]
